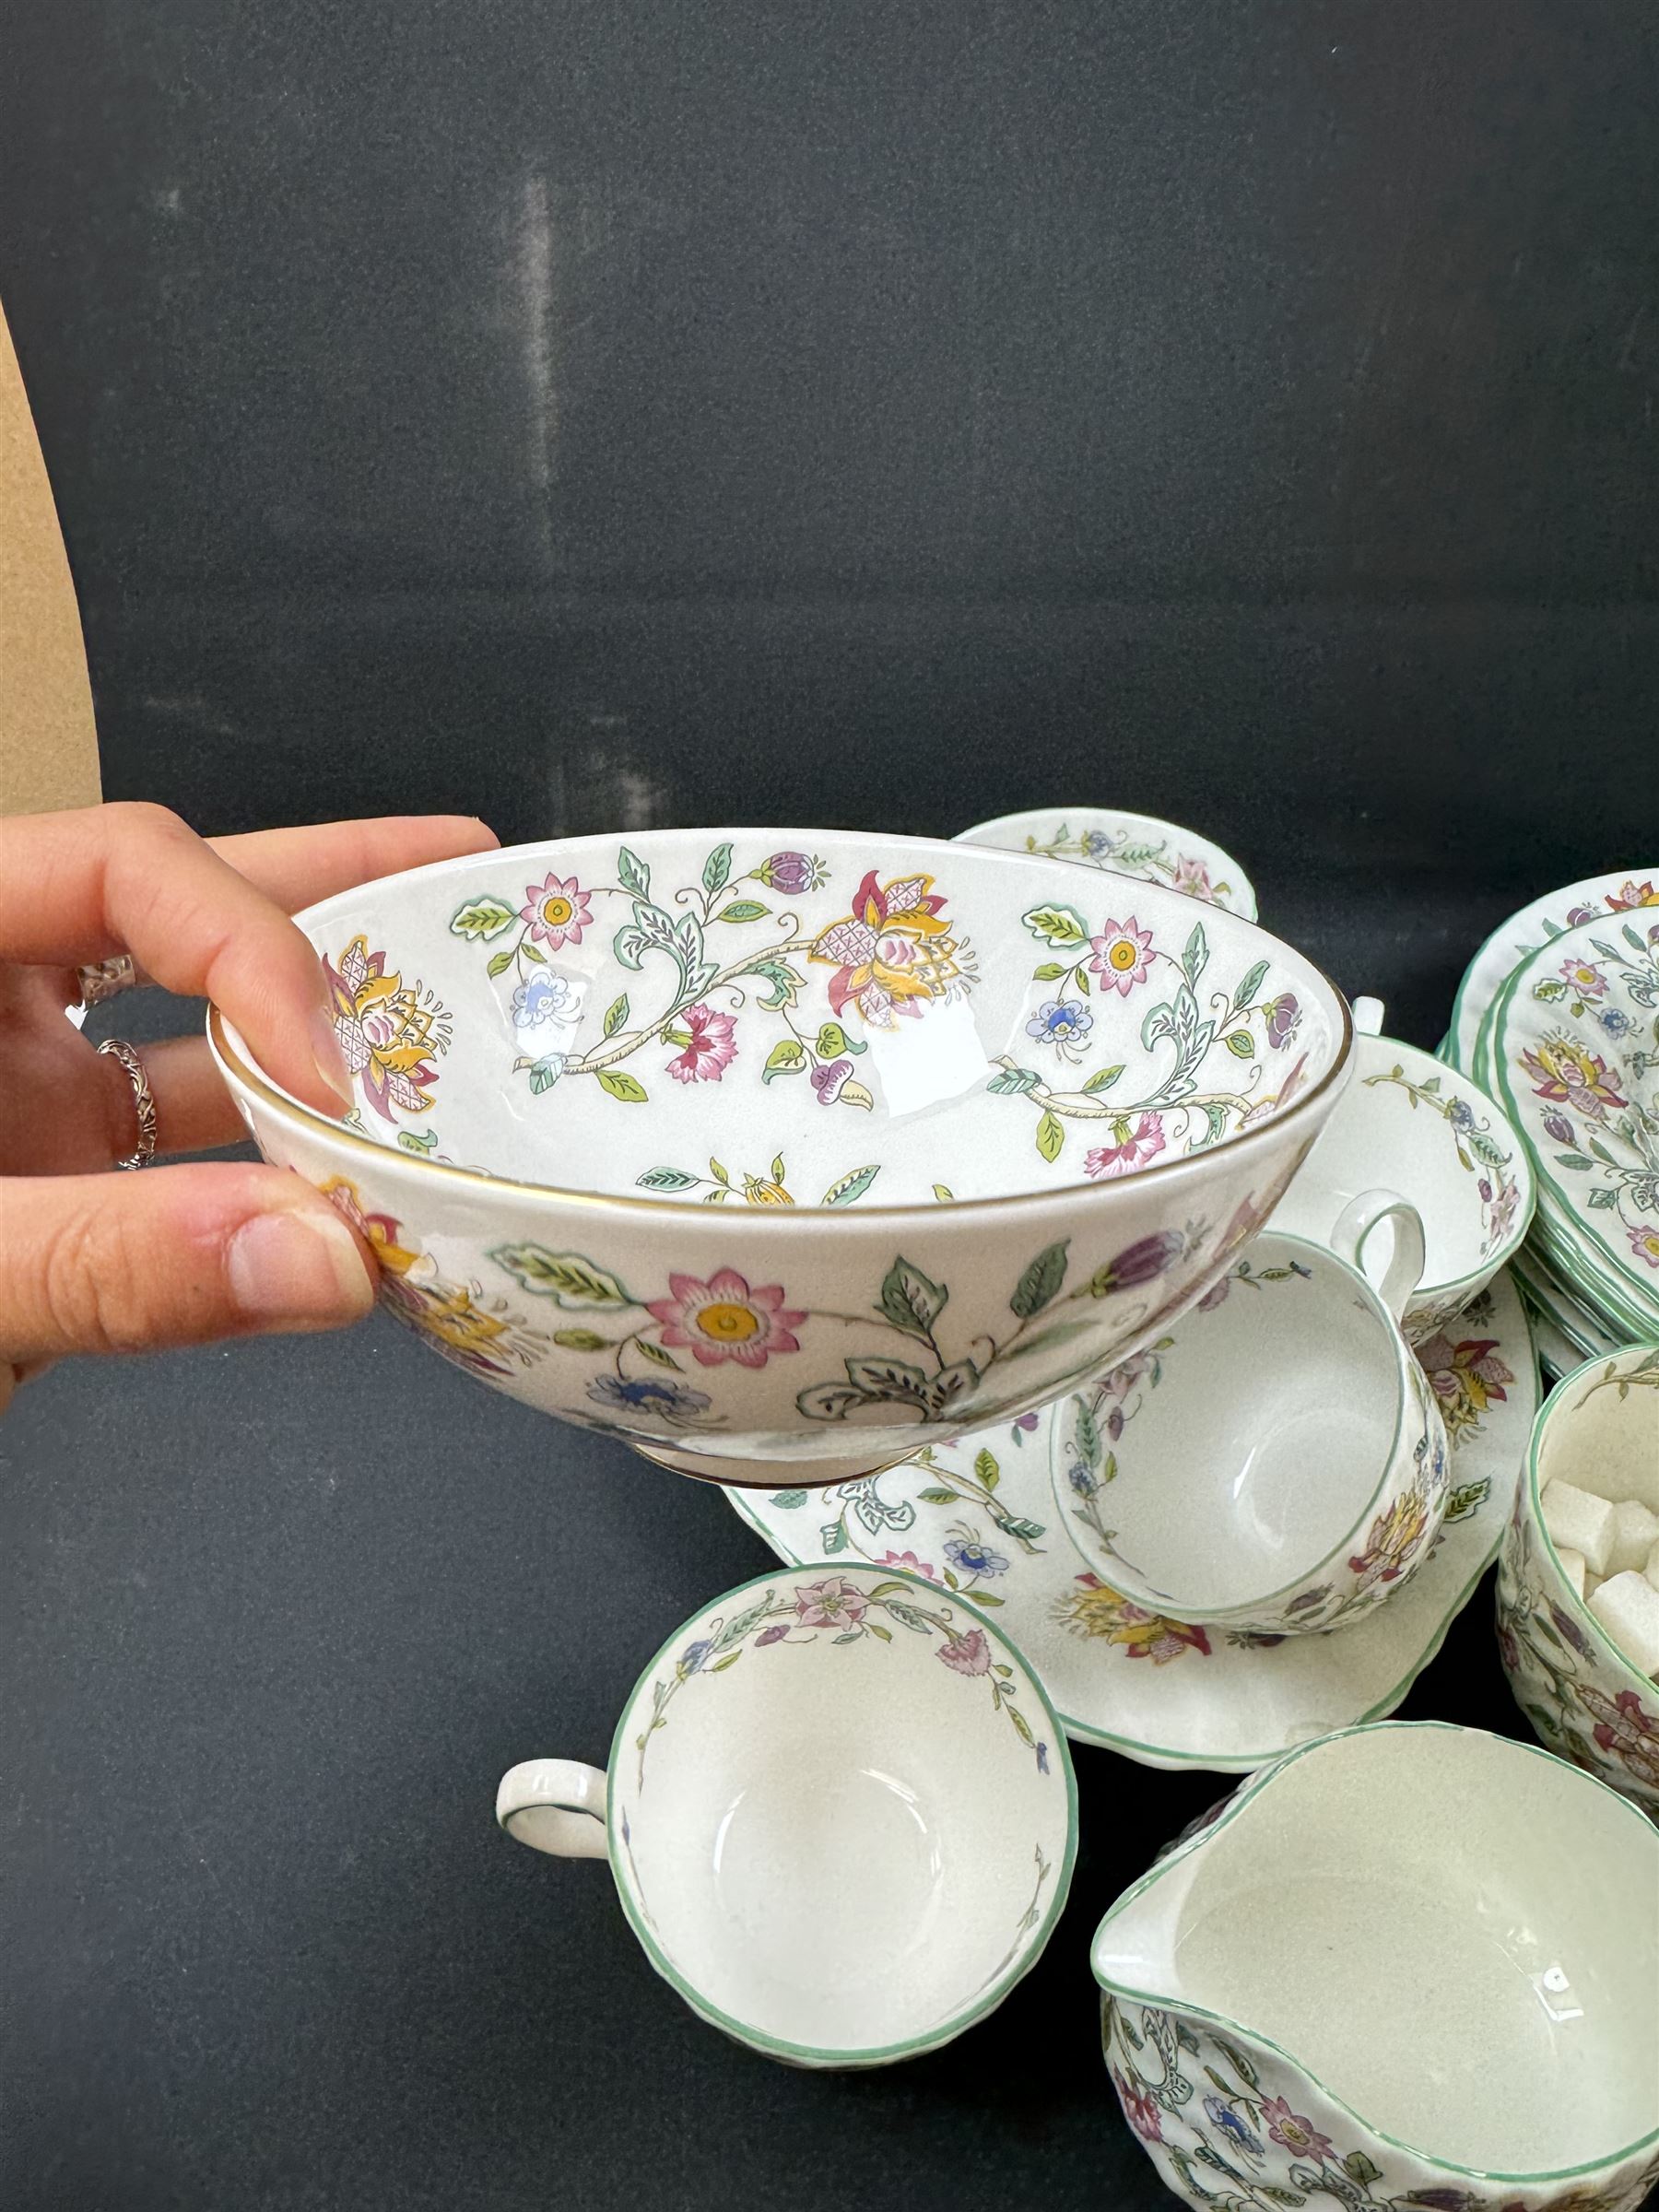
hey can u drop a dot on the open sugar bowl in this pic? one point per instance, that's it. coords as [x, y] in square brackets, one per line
[1275, 1463]
[772, 1153]
[1125, 844]
[839, 1813]
[1410, 1965]
[1412, 1124]
[1575, 1620]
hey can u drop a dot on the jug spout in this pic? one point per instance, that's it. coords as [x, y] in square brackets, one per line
[1137, 1947]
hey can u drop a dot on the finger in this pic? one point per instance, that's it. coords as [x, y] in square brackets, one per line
[78, 887]
[296, 867]
[125, 1263]
[195, 1112]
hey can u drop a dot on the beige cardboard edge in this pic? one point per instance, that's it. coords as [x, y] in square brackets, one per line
[48, 740]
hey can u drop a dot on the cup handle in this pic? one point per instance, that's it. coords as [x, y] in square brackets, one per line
[1405, 1270]
[1368, 1017]
[555, 1804]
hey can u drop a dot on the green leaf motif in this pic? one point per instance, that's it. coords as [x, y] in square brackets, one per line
[786, 1058]
[850, 1187]
[564, 1277]
[581, 1340]
[1196, 955]
[1050, 972]
[501, 961]
[1051, 1136]
[632, 873]
[1102, 1080]
[481, 919]
[1602, 1200]
[938, 1496]
[616, 1014]
[1240, 1044]
[943, 1193]
[717, 868]
[1358, 2168]
[786, 985]
[911, 1300]
[619, 1085]
[833, 1537]
[531, 953]
[665, 1178]
[987, 1469]
[787, 1500]
[1011, 1082]
[834, 1041]
[1041, 1279]
[544, 1074]
[1244, 997]
[1061, 926]
[742, 909]
[657, 1353]
[1467, 1499]
[410, 1142]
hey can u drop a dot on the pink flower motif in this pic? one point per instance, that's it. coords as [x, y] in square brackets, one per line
[711, 1049]
[834, 1603]
[1122, 955]
[827, 1080]
[1585, 978]
[1139, 2110]
[1644, 1244]
[1190, 876]
[1296, 2134]
[909, 1562]
[1633, 894]
[557, 912]
[969, 1654]
[772, 1635]
[723, 1319]
[1130, 1152]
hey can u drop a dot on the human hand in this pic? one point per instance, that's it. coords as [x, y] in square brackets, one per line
[91, 1262]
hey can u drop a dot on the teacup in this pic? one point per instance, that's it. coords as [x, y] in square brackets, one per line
[1125, 844]
[1410, 1965]
[1274, 1463]
[1569, 1678]
[839, 1813]
[1410, 1121]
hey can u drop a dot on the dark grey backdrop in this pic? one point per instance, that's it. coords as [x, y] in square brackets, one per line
[600, 415]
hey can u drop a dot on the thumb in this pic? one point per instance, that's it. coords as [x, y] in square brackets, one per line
[128, 1263]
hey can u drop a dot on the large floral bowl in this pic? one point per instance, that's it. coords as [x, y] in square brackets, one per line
[766, 1151]
[1582, 1696]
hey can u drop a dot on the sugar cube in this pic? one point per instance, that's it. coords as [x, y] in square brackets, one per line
[1627, 1607]
[1573, 1566]
[1583, 1523]
[1635, 1532]
[1652, 1569]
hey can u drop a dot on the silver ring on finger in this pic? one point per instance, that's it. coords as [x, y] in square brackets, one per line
[144, 1104]
[101, 980]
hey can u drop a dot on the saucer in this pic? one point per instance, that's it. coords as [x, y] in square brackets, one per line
[976, 1516]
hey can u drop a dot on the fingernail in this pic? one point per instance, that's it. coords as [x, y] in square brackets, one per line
[298, 1267]
[327, 1057]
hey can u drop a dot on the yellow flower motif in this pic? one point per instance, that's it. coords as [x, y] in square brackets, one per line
[388, 1030]
[1094, 1610]
[892, 953]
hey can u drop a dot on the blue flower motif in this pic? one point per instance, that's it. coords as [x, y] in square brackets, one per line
[1043, 1765]
[1082, 1480]
[1096, 842]
[1062, 1022]
[670, 1401]
[544, 998]
[693, 1657]
[1616, 1021]
[1460, 1114]
[1233, 2128]
[970, 1557]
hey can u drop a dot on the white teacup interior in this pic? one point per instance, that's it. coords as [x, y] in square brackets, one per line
[1599, 1440]
[844, 1846]
[1264, 1441]
[1454, 1935]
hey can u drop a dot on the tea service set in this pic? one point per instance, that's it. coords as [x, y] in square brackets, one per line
[1117, 1340]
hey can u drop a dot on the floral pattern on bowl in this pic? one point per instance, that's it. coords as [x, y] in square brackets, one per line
[1582, 1695]
[974, 1517]
[1137, 845]
[720, 1142]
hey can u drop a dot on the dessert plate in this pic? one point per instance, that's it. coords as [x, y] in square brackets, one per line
[1570, 1047]
[1492, 966]
[976, 1516]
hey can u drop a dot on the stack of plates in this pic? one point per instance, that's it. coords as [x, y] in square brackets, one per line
[1558, 1017]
